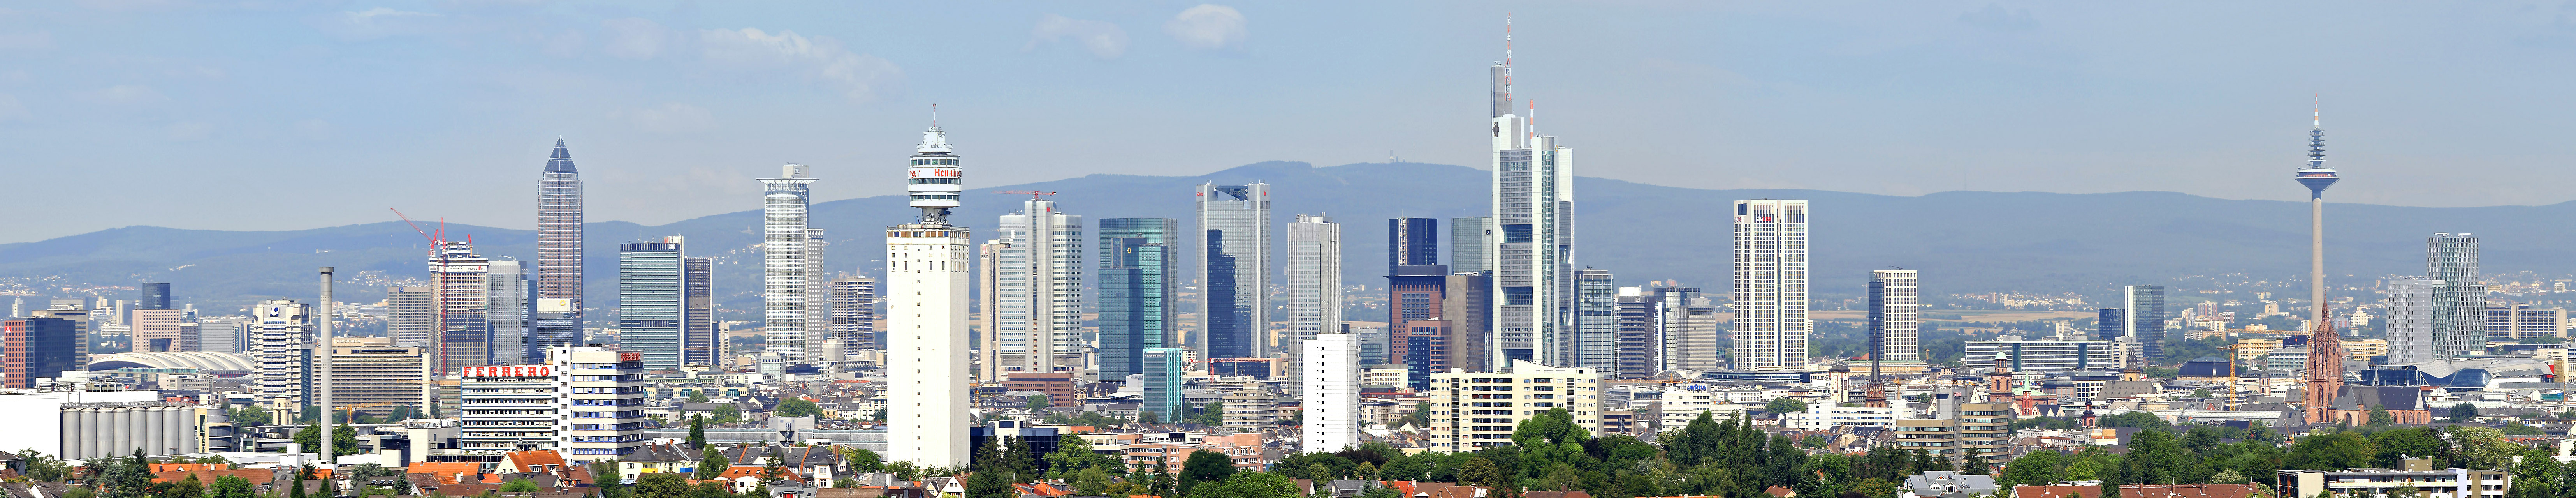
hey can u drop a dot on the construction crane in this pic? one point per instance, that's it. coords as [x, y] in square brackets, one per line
[1033, 194]
[437, 350]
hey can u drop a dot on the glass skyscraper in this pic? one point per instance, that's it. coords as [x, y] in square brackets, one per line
[1596, 320]
[650, 292]
[1135, 288]
[1894, 319]
[1412, 241]
[1162, 379]
[559, 246]
[1234, 317]
[2459, 307]
[509, 304]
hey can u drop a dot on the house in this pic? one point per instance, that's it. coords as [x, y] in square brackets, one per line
[819, 464]
[2093, 489]
[1946, 484]
[447, 472]
[744, 479]
[663, 458]
[34, 489]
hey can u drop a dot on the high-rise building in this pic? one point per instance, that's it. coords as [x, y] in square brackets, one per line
[784, 235]
[1685, 335]
[1895, 303]
[1137, 275]
[156, 296]
[602, 392]
[1332, 392]
[1162, 381]
[818, 301]
[458, 282]
[1467, 240]
[281, 357]
[1637, 354]
[411, 314]
[156, 330]
[375, 374]
[2460, 303]
[1038, 317]
[1314, 277]
[559, 243]
[926, 283]
[509, 298]
[222, 334]
[1596, 320]
[700, 342]
[2520, 321]
[505, 408]
[553, 322]
[988, 295]
[1771, 323]
[1416, 312]
[2410, 320]
[1468, 312]
[1234, 316]
[36, 348]
[2141, 317]
[651, 300]
[1533, 214]
[1412, 242]
[70, 309]
[854, 315]
[1468, 410]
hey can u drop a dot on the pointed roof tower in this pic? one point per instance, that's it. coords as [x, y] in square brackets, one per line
[562, 160]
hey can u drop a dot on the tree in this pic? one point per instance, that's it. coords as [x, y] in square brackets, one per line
[773, 466]
[860, 459]
[1148, 417]
[989, 484]
[2227, 476]
[711, 463]
[1073, 454]
[188, 488]
[2379, 416]
[605, 474]
[1481, 472]
[230, 487]
[1213, 415]
[2329, 451]
[697, 396]
[1092, 481]
[2202, 393]
[727, 413]
[798, 407]
[2463, 412]
[344, 439]
[1249, 485]
[1785, 405]
[650, 485]
[697, 431]
[527, 486]
[128, 477]
[1038, 403]
[1204, 466]
[250, 415]
[1975, 464]
[879, 415]
[2038, 467]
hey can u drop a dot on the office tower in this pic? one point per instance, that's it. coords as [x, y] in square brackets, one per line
[651, 300]
[1162, 381]
[508, 300]
[2460, 303]
[411, 313]
[1332, 392]
[1469, 310]
[281, 359]
[458, 281]
[1412, 242]
[156, 296]
[2325, 375]
[17, 307]
[2142, 318]
[1533, 213]
[604, 386]
[854, 315]
[1234, 316]
[926, 284]
[2520, 321]
[1771, 324]
[507, 408]
[1468, 413]
[988, 284]
[553, 322]
[784, 205]
[1136, 286]
[2410, 320]
[70, 309]
[1686, 335]
[156, 330]
[1373, 345]
[1467, 240]
[559, 241]
[1314, 276]
[1596, 320]
[1637, 354]
[1038, 322]
[700, 342]
[818, 300]
[1416, 312]
[375, 375]
[36, 348]
[1895, 316]
[222, 334]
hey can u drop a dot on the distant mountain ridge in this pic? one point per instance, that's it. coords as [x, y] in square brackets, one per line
[1962, 241]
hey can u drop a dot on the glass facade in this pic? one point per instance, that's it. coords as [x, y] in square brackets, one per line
[649, 296]
[1235, 312]
[2460, 302]
[1135, 292]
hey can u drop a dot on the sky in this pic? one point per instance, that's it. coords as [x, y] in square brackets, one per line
[288, 114]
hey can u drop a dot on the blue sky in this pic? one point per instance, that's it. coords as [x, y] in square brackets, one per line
[283, 114]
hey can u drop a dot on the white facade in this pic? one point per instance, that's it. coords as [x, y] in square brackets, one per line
[1894, 316]
[1470, 411]
[603, 400]
[1826, 418]
[504, 408]
[2410, 320]
[1038, 290]
[1314, 287]
[784, 278]
[1771, 324]
[925, 317]
[1532, 249]
[280, 331]
[35, 421]
[1332, 385]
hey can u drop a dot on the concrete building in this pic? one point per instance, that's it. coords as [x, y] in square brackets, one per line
[701, 340]
[1314, 272]
[1894, 316]
[1037, 321]
[927, 270]
[411, 314]
[1596, 320]
[603, 399]
[1771, 323]
[1332, 392]
[2520, 321]
[1473, 410]
[785, 205]
[2411, 337]
[1138, 274]
[854, 315]
[1532, 245]
[652, 290]
[281, 357]
[2419, 474]
[1685, 334]
[373, 373]
[1820, 417]
[36, 348]
[509, 302]
[559, 251]
[1637, 355]
[1234, 277]
[2056, 352]
[157, 330]
[505, 408]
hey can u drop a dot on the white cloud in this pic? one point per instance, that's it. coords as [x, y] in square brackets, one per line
[10, 109]
[375, 23]
[670, 117]
[858, 76]
[38, 40]
[121, 95]
[635, 38]
[1103, 39]
[1208, 26]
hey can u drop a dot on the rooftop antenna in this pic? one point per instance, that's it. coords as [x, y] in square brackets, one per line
[934, 115]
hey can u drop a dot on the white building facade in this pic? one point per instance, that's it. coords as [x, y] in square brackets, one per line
[925, 315]
[1332, 385]
[785, 204]
[281, 336]
[1771, 324]
[1532, 249]
[1038, 287]
[1470, 411]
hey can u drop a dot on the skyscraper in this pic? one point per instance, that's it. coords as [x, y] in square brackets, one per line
[509, 300]
[559, 242]
[1467, 240]
[1038, 323]
[1894, 315]
[1638, 357]
[2460, 301]
[854, 315]
[784, 235]
[1685, 335]
[458, 283]
[553, 322]
[1137, 275]
[700, 343]
[36, 348]
[1331, 392]
[156, 296]
[1412, 242]
[2325, 348]
[281, 359]
[818, 301]
[1596, 320]
[412, 315]
[2140, 318]
[1314, 276]
[651, 300]
[2411, 318]
[926, 282]
[1162, 381]
[1234, 319]
[1533, 211]
[1771, 324]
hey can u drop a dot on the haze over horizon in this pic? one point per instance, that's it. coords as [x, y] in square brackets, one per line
[287, 115]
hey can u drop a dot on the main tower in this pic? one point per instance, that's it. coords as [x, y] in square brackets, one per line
[927, 270]
[2325, 350]
[1533, 251]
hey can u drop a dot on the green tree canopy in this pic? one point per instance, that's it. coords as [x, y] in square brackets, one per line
[798, 407]
[1204, 466]
[1785, 405]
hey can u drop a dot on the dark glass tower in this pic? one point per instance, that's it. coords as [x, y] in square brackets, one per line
[559, 245]
[1236, 307]
[156, 296]
[1412, 241]
[1135, 285]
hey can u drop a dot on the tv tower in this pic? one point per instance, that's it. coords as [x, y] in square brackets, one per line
[926, 272]
[2325, 350]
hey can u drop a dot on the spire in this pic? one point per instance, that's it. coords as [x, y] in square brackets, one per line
[561, 162]
[2316, 175]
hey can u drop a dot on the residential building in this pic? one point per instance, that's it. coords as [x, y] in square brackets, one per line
[1474, 410]
[2520, 321]
[559, 252]
[2418, 474]
[603, 400]
[854, 315]
[927, 274]
[1163, 382]
[1820, 417]
[1250, 406]
[508, 303]
[1037, 321]
[36, 348]
[1332, 393]
[281, 355]
[1136, 289]
[652, 289]
[375, 374]
[1894, 316]
[2460, 302]
[1596, 321]
[2056, 352]
[1771, 323]
[1234, 279]
[1532, 246]
[785, 205]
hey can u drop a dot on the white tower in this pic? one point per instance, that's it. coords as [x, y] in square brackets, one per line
[1771, 284]
[784, 277]
[1331, 364]
[1038, 315]
[1533, 247]
[1314, 285]
[925, 315]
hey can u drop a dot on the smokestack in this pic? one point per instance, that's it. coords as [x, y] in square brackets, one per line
[325, 342]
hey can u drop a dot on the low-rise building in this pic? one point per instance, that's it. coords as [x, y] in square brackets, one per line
[2379, 483]
[1478, 410]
